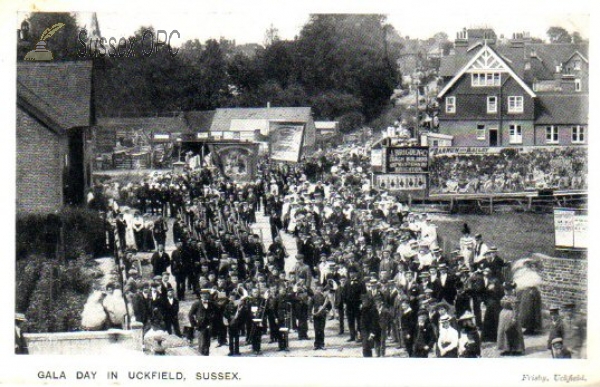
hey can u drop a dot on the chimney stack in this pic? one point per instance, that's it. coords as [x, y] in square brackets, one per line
[462, 41]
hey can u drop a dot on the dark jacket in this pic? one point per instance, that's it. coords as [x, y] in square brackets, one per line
[201, 317]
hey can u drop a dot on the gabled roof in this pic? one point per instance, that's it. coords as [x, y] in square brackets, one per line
[542, 64]
[580, 54]
[223, 117]
[486, 50]
[562, 109]
[66, 87]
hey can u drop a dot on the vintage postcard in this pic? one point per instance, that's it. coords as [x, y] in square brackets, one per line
[197, 184]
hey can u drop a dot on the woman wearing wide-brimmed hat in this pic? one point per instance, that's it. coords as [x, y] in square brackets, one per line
[510, 334]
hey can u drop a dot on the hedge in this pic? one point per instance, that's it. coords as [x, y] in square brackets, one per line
[51, 291]
[83, 231]
[53, 299]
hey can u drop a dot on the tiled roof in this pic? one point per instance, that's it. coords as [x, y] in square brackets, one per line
[65, 87]
[222, 118]
[543, 64]
[175, 124]
[562, 109]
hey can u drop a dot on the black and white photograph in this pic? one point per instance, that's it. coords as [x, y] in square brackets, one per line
[261, 182]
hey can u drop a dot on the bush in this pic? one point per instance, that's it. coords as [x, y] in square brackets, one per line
[28, 274]
[350, 121]
[53, 298]
[39, 234]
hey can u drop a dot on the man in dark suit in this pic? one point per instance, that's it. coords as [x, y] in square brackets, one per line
[179, 269]
[234, 313]
[447, 283]
[370, 329]
[201, 316]
[351, 296]
[321, 306]
[424, 335]
[160, 261]
[407, 325]
[171, 313]
[141, 305]
[385, 321]
[495, 263]
[339, 302]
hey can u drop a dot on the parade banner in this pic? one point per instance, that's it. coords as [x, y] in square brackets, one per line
[570, 228]
[236, 161]
[286, 141]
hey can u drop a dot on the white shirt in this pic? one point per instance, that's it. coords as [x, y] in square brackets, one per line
[443, 278]
[448, 340]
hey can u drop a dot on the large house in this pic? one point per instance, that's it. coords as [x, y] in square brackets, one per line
[54, 113]
[521, 93]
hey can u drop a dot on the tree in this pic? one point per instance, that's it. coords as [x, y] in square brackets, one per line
[576, 36]
[350, 54]
[558, 35]
[278, 62]
[271, 35]
[63, 43]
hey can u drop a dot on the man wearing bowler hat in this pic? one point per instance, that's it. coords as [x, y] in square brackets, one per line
[201, 317]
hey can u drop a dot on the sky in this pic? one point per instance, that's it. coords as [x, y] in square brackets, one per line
[247, 24]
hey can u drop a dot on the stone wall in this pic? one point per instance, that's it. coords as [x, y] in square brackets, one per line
[565, 280]
[85, 343]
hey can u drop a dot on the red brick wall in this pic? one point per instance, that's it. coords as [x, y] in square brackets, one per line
[565, 280]
[40, 160]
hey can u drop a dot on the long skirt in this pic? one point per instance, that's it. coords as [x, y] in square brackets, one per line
[530, 309]
[510, 333]
[148, 240]
[490, 321]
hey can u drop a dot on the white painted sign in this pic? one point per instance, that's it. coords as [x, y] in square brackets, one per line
[570, 228]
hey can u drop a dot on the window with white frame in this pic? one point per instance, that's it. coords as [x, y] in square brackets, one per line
[578, 134]
[516, 134]
[485, 79]
[450, 104]
[577, 84]
[577, 64]
[551, 135]
[481, 132]
[492, 104]
[515, 104]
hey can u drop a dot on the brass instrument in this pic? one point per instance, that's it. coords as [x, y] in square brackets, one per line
[258, 311]
[240, 306]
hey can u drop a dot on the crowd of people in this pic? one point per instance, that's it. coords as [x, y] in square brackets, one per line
[510, 171]
[365, 263]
